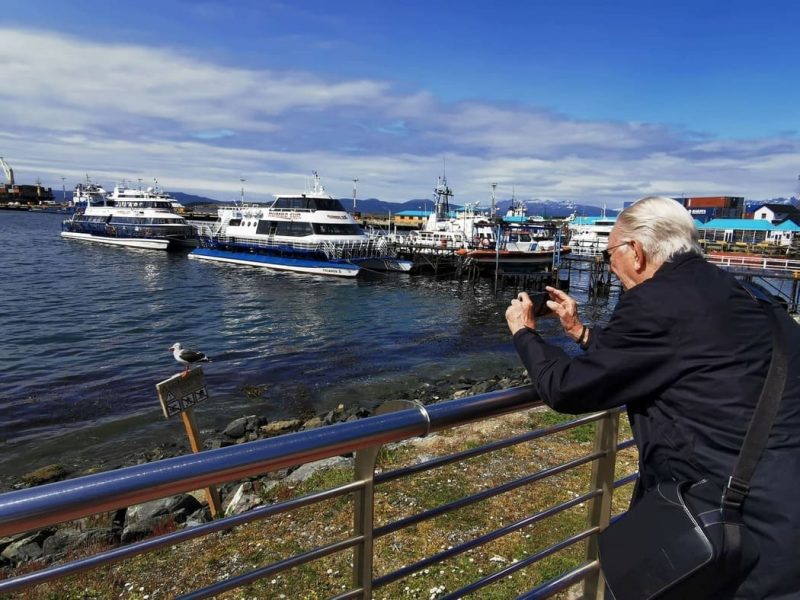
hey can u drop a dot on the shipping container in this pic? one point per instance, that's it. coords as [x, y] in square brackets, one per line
[709, 202]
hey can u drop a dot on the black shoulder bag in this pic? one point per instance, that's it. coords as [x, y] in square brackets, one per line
[687, 539]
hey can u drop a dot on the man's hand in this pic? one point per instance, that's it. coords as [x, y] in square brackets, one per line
[520, 314]
[566, 309]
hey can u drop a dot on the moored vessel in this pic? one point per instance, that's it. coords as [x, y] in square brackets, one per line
[305, 233]
[127, 217]
[589, 235]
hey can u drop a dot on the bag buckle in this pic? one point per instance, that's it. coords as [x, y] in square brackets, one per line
[735, 493]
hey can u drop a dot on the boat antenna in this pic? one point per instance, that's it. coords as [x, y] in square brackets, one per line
[241, 201]
[494, 187]
[355, 181]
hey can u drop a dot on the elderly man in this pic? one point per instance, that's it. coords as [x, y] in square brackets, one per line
[686, 351]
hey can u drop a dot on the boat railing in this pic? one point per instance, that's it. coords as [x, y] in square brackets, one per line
[333, 250]
[551, 508]
[749, 261]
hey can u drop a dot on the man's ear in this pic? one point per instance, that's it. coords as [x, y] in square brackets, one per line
[640, 261]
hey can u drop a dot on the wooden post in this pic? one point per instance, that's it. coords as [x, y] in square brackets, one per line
[197, 446]
[178, 395]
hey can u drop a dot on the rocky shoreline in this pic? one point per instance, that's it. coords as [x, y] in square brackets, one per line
[185, 510]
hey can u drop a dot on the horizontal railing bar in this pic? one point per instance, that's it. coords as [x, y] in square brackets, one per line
[282, 565]
[521, 564]
[491, 447]
[626, 444]
[175, 537]
[626, 480]
[563, 582]
[53, 503]
[354, 593]
[479, 541]
[483, 495]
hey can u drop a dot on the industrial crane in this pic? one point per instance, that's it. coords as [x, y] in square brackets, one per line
[8, 171]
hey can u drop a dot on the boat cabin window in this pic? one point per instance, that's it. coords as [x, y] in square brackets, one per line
[287, 228]
[325, 204]
[267, 227]
[234, 222]
[519, 237]
[294, 228]
[303, 203]
[337, 229]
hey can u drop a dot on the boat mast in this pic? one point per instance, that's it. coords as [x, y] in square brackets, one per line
[441, 196]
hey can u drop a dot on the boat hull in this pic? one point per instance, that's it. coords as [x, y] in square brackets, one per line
[385, 263]
[145, 243]
[278, 263]
[488, 258]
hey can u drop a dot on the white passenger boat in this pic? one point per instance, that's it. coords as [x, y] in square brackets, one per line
[127, 217]
[305, 233]
[589, 235]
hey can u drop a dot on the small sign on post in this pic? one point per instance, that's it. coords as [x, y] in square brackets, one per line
[178, 395]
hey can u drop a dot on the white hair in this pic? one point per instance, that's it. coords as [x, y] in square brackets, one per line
[661, 225]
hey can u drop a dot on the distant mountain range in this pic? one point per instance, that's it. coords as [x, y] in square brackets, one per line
[543, 208]
[373, 206]
[751, 205]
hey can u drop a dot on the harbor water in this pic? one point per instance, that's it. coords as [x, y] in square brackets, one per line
[86, 331]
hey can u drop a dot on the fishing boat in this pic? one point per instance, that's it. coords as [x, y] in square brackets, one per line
[304, 233]
[445, 231]
[518, 248]
[127, 217]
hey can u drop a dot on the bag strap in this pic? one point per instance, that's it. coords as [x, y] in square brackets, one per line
[758, 431]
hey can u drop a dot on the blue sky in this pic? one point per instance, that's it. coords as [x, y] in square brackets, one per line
[600, 102]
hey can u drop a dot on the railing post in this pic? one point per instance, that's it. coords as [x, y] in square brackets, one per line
[605, 441]
[364, 506]
[364, 520]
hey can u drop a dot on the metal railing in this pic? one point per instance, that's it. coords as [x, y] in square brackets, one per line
[51, 504]
[763, 263]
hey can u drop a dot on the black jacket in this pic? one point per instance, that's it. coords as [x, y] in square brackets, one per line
[687, 352]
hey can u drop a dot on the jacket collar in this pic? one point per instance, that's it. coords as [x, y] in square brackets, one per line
[677, 261]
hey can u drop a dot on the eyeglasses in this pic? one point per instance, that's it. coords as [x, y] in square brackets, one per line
[607, 252]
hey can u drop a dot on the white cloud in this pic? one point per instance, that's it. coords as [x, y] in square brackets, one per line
[126, 111]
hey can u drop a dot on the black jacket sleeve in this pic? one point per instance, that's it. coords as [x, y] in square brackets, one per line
[628, 361]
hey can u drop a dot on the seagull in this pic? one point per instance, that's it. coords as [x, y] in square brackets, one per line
[187, 357]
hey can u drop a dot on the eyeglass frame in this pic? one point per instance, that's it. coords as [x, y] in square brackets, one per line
[607, 252]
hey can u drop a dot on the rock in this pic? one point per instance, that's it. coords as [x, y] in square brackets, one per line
[177, 507]
[279, 427]
[307, 470]
[137, 531]
[239, 428]
[313, 423]
[26, 547]
[45, 474]
[214, 443]
[64, 540]
[236, 428]
[199, 517]
[242, 500]
[482, 388]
